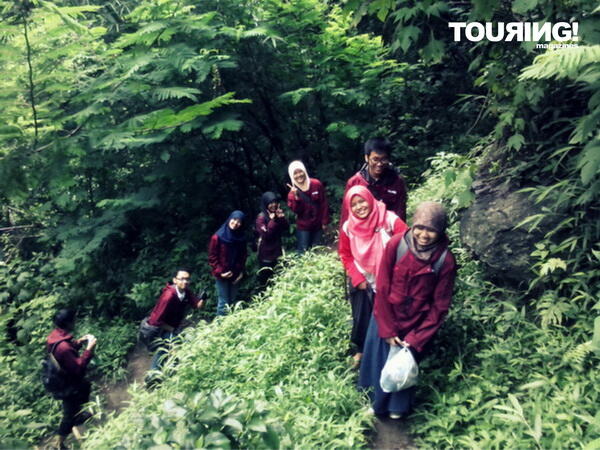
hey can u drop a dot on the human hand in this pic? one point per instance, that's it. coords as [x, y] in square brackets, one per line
[293, 189]
[271, 215]
[239, 277]
[362, 286]
[280, 213]
[227, 274]
[200, 304]
[91, 342]
[394, 341]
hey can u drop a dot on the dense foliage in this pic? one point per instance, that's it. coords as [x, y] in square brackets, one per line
[271, 375]
[130, 129]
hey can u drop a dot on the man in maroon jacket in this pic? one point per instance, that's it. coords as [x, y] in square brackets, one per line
[379, 176]
[169, 311]
[66, 352]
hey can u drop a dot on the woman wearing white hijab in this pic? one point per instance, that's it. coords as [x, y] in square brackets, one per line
[308, 201]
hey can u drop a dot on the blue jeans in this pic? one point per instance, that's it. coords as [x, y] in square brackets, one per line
[162, 350]
[307, 239]
[226, 292]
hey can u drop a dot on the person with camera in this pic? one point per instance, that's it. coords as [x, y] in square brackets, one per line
[169, 311]
[270, 225]
[65, 350]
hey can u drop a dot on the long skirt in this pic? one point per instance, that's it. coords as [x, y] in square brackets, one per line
[374, 357]
[361, 301]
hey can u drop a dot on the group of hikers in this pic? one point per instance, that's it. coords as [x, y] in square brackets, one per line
[400, 278]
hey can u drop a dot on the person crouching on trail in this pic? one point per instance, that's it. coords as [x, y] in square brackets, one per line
[169, 311]
[414, 291]
[227, 257]
[308, 201]
[363, 238]
[65, 350]
[270, 225]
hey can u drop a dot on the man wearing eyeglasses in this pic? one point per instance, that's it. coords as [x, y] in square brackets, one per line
[379, 176]
[169, 311]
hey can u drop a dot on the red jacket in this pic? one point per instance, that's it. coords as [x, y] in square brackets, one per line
[411, 301]
[313, 214]
[390, 189]
[269, 246]
[67, 354]
[217, 259]
[169, 309]
[345, 252]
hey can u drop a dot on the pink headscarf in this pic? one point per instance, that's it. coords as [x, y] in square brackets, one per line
[366, 242]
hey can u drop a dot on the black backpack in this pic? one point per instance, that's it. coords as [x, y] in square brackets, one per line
[54, 378]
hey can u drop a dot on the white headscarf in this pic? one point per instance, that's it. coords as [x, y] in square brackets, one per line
[295, 165]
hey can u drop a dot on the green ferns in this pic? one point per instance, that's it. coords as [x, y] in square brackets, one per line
[272, 375]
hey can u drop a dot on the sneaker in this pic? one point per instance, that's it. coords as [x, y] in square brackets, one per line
[395, 416]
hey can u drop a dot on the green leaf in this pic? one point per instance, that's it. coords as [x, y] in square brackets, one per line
[218, 440]
[523, 6]
[596, 336]
[234, 424]
[516, 141]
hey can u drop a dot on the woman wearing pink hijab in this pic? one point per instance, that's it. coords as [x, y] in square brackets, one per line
[363, 238]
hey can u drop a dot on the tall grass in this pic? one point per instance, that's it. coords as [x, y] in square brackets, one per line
[273, 374]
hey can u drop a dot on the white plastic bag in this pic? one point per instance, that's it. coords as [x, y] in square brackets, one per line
[400, 371]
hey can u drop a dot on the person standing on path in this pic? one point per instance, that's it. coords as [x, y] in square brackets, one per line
[363, 238]
[307, 199]
[414, 292]
[380, 177]
[227, 258]
[65, 350]
[270, 225]
[169, 312]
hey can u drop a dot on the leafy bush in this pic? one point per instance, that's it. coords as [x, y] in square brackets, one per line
[283, 359]
[504, 372]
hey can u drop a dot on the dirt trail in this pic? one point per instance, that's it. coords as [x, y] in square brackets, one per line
[391, 434]
[116, 395]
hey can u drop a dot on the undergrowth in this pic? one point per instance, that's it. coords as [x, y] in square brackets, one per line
[272, 375]
[499, 374]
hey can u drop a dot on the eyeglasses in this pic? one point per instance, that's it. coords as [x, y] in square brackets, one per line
[379, 161]
[187, 280]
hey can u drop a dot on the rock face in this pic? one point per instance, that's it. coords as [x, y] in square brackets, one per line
[487, 227]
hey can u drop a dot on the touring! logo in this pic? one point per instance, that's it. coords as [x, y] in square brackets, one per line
[560, 32]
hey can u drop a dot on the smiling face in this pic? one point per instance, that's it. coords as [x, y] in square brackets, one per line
[377, 163]
[182, 280]
[425, 236]
[273, 207]
[299, 177]
[234, 224]
[360, 207]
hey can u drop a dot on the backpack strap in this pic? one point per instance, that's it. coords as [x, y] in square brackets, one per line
[437, 264]
[51, 354]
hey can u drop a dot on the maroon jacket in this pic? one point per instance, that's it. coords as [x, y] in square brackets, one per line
[269, 234]
[313, 214]
[217, 259]
[67, 354]
[390, 189]
[345, 252]
[169, 309]
[411, 301]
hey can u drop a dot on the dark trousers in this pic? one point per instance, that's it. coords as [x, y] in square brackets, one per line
[361, 301]
[265, 273]
[72, 408]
